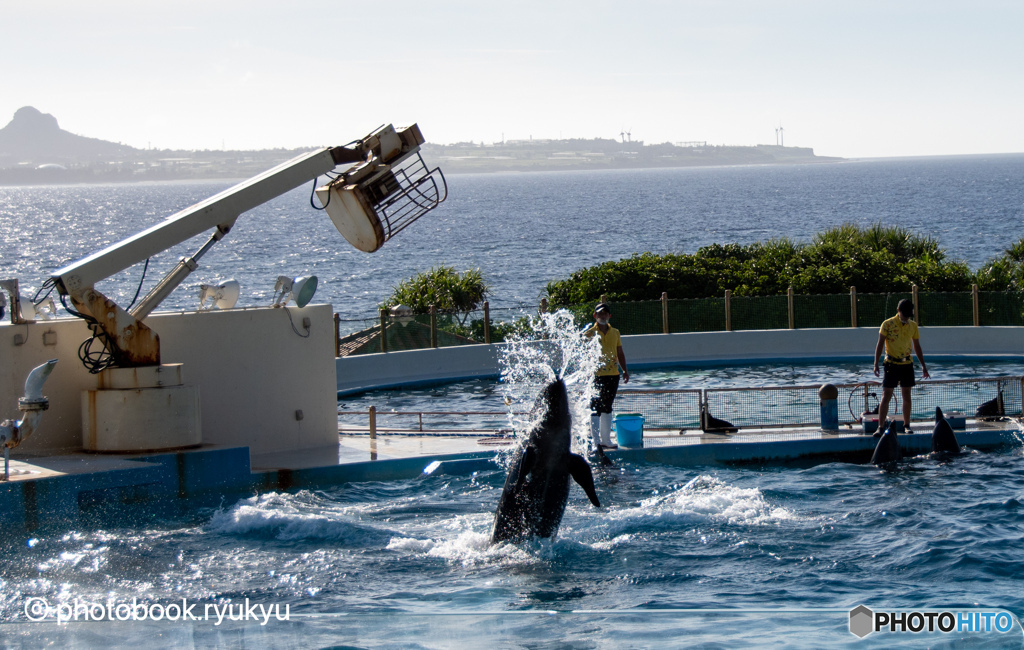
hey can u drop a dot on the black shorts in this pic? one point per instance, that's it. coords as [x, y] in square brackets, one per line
[607, 386]
[898, 374]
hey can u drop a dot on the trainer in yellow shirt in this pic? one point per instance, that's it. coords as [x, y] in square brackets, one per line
[607, 376]
[898, 336]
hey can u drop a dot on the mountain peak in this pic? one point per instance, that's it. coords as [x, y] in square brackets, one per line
[31, 118]
[35, 137]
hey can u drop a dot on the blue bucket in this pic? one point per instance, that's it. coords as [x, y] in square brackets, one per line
[629, 429]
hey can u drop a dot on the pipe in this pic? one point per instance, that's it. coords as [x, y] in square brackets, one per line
[32, 405]
[35, 380]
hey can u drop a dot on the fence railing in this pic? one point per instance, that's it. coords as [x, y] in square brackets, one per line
[390, 333]
[762, 407]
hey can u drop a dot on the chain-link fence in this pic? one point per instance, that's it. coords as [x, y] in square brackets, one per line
[413, 332]
[662, 409]
[437, 330]
[732, 409]
[792, 406]
[1001, 308]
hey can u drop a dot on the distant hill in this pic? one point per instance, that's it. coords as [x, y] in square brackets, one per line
[35, 150]
[599, 153]
[35, 137]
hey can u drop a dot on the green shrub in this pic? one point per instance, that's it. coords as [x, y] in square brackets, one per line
[442, 287]
[876, 259]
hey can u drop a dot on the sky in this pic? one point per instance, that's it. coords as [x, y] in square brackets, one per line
[849, 78]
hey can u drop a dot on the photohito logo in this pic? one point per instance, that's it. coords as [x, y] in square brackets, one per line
[864, 621]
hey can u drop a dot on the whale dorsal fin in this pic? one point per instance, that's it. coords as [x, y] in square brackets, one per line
[579, 469]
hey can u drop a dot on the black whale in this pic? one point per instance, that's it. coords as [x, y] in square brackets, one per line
[537, 486]
[943, 438]
[888, 449]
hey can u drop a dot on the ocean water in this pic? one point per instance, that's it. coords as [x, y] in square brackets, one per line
[715, 556]
[520, 230]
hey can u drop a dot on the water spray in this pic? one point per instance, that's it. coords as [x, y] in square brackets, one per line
[555, 347]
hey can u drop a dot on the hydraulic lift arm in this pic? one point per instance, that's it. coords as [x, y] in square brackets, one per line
[370, 179]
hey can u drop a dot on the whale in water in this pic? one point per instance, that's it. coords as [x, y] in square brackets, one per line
[888, 448]
[943, 438]
[537, 486]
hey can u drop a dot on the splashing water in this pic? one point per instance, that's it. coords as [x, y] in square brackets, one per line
[554, 348]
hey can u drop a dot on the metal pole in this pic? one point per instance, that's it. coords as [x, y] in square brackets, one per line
[337, 334]
[789, 307]
[974, 300]
[664, 312]
[853, 306]
[487, 322]
[433, 326]
[917, 310]
[383, 330]
[373, 433]
[728, 310]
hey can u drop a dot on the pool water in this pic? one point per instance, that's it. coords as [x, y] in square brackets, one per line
[773, 555]
[408, 562]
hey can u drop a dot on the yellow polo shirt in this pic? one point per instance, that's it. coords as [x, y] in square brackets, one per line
[899, 340]
[610, 342]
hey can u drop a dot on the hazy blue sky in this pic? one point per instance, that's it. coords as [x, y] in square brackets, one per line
[852, 78]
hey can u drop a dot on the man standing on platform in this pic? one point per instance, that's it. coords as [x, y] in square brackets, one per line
[607, 378]
[898, 334]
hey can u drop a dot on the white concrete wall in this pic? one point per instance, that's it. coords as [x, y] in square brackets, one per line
[364, 372]
[252, 370]
[368, 371]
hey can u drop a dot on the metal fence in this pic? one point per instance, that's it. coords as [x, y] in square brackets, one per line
[791, 406]
[389, 333]
[761, 407]
[663, 409]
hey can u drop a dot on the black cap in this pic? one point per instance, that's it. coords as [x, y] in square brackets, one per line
[905, 307]
[602, 307]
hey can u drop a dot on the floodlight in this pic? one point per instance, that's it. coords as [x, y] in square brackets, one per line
[45, 310]
[29, 311]
[376, 199]
[221, 296]
[300, 289]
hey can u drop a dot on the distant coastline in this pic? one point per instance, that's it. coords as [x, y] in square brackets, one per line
[578, 154]
[555, 155]
[34, 150]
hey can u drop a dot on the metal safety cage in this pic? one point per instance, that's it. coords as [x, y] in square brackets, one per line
[404, 194]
